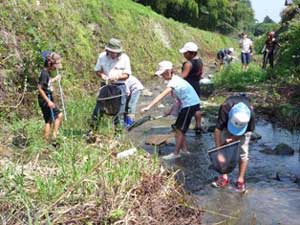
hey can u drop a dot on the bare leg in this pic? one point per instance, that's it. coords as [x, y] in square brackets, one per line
[184, 146]
[47, 131]
[242, 170]
[198, 118]
[179, 136]
[57, 124]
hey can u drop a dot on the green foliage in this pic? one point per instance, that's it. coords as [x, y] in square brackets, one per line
[287, 68]
[233, 78]
[264, 28]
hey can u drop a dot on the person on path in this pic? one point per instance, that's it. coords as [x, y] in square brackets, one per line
[224, 57]
[236, 121]
[192, 72]
[269, 49]
[247, 50]
[133, 89]
[189, 103]
[52, 115]
[113, 67]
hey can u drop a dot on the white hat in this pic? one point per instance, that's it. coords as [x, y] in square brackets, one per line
[189, 47]
[162, 67]
[231, 50]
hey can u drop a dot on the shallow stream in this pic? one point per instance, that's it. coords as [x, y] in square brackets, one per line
[273, 184]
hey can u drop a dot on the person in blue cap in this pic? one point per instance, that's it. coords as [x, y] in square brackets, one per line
[236, 121]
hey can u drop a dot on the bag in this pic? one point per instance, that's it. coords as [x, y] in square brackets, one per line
[110, 99]
[225, 158]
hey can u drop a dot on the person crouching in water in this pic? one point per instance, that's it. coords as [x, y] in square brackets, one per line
[236, 121]
[188, 97]
[51, 113]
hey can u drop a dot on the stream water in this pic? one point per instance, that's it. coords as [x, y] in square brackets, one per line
[273, 195]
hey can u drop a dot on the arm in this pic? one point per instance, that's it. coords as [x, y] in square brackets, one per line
[45, 97]
[186, 69]
[157, 99]
[101, 75]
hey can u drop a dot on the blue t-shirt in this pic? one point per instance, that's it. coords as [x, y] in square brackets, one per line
[184, 91]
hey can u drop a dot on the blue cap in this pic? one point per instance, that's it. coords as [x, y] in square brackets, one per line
[45, 54]
[238, 119]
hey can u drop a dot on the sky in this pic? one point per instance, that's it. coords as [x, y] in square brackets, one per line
[271, 8]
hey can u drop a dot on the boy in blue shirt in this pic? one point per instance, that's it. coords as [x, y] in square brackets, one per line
[188, 97]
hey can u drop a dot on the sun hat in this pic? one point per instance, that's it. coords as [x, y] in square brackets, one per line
[162, 67]
[238, 119]
[114, 45]
[189, 47]
[231, 50]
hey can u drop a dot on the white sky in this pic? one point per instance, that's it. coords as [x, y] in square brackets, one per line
[271, 8]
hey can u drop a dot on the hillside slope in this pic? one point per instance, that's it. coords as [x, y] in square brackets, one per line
[79, 29]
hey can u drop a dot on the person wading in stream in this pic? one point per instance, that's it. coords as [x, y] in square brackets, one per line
[192, 71]
[188, 97]
[51, 114]
[236, 121]
[113, 67]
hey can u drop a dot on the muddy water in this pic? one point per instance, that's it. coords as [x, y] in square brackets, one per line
[273, 195]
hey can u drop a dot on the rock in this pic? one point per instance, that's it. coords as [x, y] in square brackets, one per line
[280, 149]
[161, 106]
[255, 136]
[147, 93]
[20, 141]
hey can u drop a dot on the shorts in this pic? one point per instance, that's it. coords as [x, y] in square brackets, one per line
[243, 146]
[245, 58]
[47, 114]
[185, 116]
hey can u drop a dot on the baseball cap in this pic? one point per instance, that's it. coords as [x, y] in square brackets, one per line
[238, 119]
[231, 50]
[189, 47]
[162, 67]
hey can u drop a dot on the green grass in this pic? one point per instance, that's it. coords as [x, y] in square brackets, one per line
[233, 78]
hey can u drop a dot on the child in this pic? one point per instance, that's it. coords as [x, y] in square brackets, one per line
[51, 113]
[133, 88]
[188, 98]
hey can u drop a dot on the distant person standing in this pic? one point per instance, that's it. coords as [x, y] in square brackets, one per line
[269, 50]
[246, 46]
[52, 115]
[192, 71]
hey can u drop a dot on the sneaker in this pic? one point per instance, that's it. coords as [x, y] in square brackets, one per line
[221, 182]
[240, 187]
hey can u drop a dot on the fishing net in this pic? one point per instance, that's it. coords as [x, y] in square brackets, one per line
[110, 99]
[225, 158]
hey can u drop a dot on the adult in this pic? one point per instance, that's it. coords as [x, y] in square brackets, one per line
[224, 57]
[51, 113]
[246, 46]
[269, 49]
[188, 98]
[113, 67]
[236, 121]
[192, 72]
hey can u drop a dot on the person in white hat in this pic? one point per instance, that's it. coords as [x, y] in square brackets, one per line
[189, 102]
[224, 57]
[192, 71]
[112, 66]
[236, 121]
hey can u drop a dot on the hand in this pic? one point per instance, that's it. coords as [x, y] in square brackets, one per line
[51, 104]
[58, 77]
[145, 109]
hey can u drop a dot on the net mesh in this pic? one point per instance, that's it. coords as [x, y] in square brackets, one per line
[225, 158]
[110, 99]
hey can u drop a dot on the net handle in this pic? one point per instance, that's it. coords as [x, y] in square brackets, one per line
[223, 146]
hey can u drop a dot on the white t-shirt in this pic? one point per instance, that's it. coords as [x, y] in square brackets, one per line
[133, 84]
[245, 44]
[111, 67]
[184, 91]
